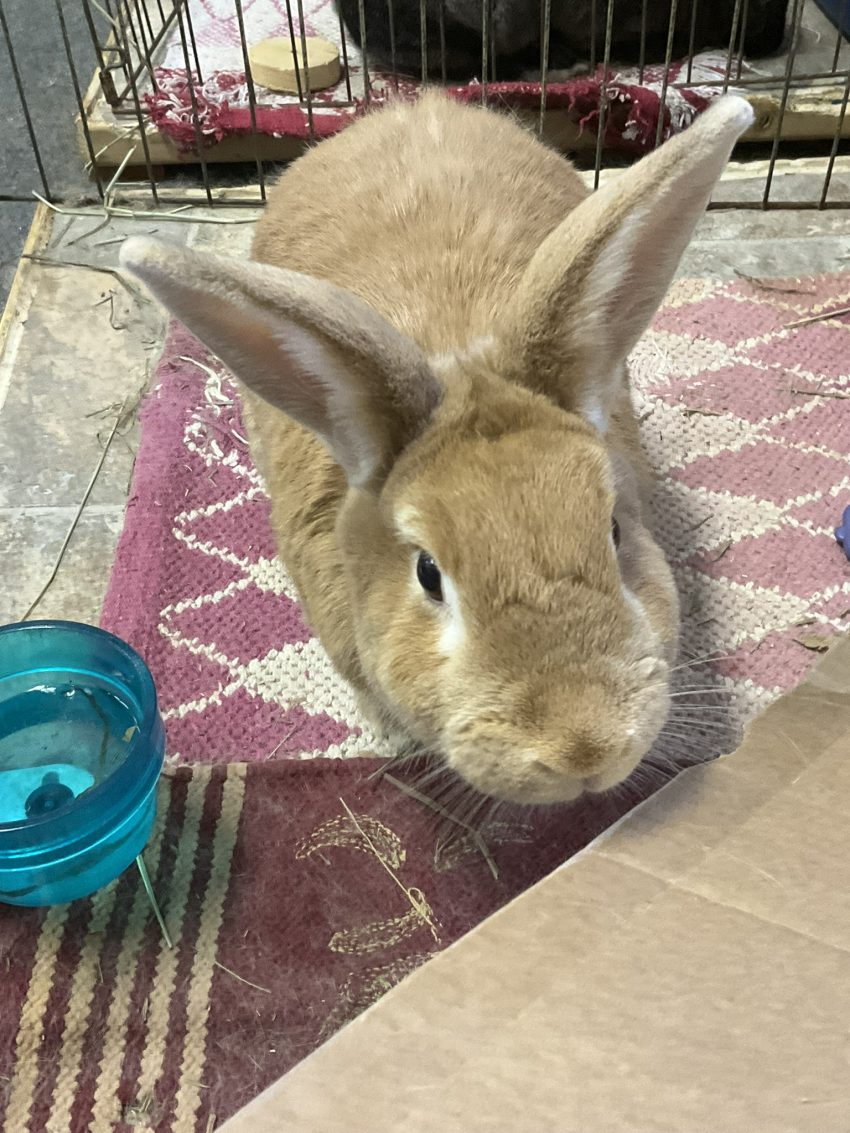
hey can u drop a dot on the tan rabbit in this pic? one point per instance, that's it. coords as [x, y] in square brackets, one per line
[440, 408]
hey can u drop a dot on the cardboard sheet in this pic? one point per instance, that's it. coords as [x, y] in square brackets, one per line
[689, 972]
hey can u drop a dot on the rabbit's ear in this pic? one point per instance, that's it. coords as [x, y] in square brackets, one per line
[594, 284]
[310, 349]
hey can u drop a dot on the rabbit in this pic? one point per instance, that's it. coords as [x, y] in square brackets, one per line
[576, 26]
[711, 23]
[431, 341]
[453, 38]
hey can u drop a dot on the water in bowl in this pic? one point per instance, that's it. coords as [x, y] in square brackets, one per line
[60, 735]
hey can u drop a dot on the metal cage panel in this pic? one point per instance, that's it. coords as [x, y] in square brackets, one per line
[173, 87]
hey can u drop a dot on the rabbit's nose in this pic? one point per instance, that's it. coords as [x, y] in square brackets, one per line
[582, 756]
[586, 754]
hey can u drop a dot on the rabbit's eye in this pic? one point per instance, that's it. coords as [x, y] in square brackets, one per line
[428, 574]
[615, 532]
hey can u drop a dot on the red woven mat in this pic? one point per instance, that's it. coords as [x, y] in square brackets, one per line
[285, 923]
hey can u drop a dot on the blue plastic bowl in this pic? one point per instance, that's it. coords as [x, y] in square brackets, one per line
[81, 750]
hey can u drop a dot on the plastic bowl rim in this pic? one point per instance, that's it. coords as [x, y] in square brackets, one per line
[133, 774]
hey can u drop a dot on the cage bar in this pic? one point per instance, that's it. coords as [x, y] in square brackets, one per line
[193, 99]
[252, 97]
[603, 94]
[291, 25]
[78, 95]
[796, 24]
[692, 39]
[19, 86]
[836, 141]
[364, 53]
[485, 47]
[139, 38]
[545, 40]
[644, 15]
[441, 15]
[745, 16]
[665, 82]
[733, 35]
[308, 92]
[191, 30]
[391, 25]
[423, 42]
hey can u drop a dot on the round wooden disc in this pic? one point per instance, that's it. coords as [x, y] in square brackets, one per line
[273, 65]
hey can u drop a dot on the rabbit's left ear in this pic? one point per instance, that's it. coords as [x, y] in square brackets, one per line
[308, 348]
[594, 284]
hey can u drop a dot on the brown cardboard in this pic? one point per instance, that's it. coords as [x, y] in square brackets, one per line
[689, 972]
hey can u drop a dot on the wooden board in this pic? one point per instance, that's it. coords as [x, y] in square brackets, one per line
[35, 243]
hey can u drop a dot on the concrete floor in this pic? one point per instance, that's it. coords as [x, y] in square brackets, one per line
[80, 343]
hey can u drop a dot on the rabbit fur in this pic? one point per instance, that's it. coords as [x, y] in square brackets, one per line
[432, 346]
[394, 33]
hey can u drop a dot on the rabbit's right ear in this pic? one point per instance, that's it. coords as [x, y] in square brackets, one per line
[594, 284]
[310, 349]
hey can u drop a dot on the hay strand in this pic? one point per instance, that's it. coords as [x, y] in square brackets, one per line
[418, 903]
[438, 808]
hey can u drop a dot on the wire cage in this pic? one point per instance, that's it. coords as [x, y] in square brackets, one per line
[174, 85]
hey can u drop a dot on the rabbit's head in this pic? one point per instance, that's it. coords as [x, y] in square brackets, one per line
[510, 607]
[510, 600]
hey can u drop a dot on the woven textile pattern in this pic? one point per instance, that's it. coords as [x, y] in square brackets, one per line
[742, 417]
[747, 420]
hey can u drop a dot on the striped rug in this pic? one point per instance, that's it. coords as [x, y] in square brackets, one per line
[285, 924]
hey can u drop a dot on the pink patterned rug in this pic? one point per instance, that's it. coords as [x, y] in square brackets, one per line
[746, 391]
[272, 846]
[746, 419]
[197, 587]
